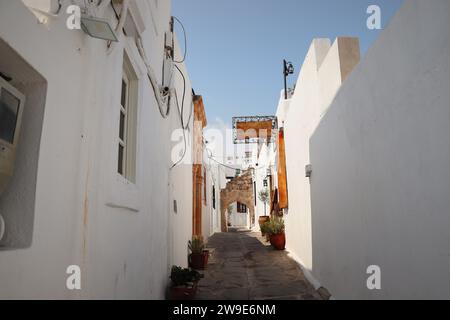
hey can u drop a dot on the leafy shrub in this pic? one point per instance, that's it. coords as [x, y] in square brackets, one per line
[274, 226]
[196, 245]
[184, 277]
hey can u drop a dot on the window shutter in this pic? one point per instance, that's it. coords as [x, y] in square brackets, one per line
[282, 176]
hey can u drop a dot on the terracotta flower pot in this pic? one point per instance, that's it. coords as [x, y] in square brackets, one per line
[198, 261]
[183, 293]
[278, 241]
[205, 258]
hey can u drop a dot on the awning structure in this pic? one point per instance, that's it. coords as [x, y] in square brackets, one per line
[255, 129]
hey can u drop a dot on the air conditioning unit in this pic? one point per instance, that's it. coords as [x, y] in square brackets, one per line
[12, 103]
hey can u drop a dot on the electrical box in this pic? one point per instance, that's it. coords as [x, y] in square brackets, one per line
[11, 109]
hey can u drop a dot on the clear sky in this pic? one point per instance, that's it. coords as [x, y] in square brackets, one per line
[236, 47]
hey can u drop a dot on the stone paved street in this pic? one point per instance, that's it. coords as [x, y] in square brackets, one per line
[243, 267]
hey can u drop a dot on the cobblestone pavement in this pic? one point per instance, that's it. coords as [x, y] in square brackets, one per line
[243, 266]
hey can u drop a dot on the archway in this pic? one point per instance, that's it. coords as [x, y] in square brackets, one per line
[240, 190]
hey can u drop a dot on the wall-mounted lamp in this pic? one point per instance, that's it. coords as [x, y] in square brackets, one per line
[308, 171]
[98, 28]
[288, 68]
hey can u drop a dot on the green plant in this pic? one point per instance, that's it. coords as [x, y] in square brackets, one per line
[265, 228]
[184, 277]
[196, 245]
[264, 197]
[274, 226]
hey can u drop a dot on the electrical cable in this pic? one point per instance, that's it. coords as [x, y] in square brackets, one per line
[120, 25]
[181, 112]
[184, 151]
[162, 96]
[211, 157]
[223, 165]
[184, 96]
[151, 76]
[185, 127]
[59, 8]
[185, 40]
[115, 11]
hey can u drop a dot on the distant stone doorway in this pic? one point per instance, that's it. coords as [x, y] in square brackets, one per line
[239, 190]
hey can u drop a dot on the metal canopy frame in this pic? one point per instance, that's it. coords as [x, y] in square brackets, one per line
[237, 120]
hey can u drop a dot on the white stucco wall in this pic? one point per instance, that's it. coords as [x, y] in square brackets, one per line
[381, 185]
[218, 177]
[319, 79]
[238, 219]
[215, 176]
[120, 234]
[265, 161]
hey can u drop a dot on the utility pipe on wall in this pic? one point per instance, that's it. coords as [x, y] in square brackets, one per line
[119, 28]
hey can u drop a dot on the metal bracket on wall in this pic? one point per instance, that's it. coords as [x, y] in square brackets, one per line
[308, 171]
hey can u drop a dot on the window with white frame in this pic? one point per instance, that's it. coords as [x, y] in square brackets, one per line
[128, 122]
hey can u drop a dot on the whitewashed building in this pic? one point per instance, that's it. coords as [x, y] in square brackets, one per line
[367, 160]
[94, 183]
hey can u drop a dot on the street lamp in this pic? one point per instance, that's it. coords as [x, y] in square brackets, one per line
[288, 68]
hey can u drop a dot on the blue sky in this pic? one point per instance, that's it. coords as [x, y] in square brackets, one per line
[236, 47]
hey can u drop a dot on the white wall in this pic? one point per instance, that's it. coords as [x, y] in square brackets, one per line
[219, 179]
[238, 219]
[85, 214]
[320, 78]
[380, 186]
[265, 161]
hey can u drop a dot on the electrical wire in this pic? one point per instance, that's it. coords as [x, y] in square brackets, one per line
[59, 8]
[185, 127]
[184, 151]
[181, 112]
[185, 41]
[223, 165]
[156, 89]
[211, 157]
[120, 25]
[115, 11]
[184, 96]
[163, 98]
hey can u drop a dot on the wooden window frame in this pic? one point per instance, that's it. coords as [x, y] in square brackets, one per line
[127, 137]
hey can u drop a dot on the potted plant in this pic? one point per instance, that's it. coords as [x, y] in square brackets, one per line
[264, 196]
[275, 229]
[198, 258]
[265, 230]
[184, 283]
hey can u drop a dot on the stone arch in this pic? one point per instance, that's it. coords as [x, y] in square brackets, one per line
[240, 190]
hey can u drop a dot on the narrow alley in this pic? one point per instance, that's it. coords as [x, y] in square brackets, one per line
[152, 149]
[244, 267]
